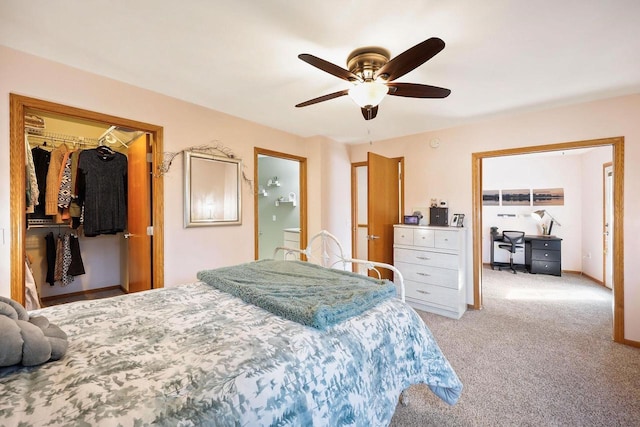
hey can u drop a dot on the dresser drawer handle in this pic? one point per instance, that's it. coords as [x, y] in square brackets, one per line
[423, 292]
[546, 254]
[423, 274]
[424, 258]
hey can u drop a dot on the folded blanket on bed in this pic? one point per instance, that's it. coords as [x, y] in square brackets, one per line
[300, 291]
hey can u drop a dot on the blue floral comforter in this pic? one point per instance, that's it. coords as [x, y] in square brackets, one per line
[193, 355]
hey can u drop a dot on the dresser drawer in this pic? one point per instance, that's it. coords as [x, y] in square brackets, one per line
[545, 255]
[446, 239]
[552, 245]
[428, 258]
[546, 267]
[431, 294]
[423, 238]
[403, 236]
[429, 275]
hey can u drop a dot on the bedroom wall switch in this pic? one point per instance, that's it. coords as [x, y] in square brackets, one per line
[274, 218]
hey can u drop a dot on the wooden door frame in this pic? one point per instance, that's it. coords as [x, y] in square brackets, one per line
[302, 161]
[604, 221]
[354, 209]
[617, 144]
[18, 105]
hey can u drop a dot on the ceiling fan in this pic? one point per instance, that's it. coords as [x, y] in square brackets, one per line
[373, 73]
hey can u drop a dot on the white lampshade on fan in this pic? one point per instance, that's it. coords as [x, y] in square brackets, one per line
[368, 94]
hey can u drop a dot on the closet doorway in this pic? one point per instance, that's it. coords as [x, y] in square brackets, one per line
[141, 256]
[280, 201]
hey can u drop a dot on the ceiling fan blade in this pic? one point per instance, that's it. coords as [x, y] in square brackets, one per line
[410, 59]
[370, 113]
[323, 98]
[329, 67]
[414, 90]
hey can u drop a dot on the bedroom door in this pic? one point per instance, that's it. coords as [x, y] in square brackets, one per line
[139, 274]
[384, 186]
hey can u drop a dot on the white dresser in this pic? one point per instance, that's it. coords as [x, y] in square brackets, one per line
[432, 261]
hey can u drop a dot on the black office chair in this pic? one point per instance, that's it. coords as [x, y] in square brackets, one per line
[513, 240]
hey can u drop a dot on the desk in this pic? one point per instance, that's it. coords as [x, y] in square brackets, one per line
[542, 254]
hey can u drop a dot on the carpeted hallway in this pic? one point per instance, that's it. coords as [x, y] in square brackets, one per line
[540, 353]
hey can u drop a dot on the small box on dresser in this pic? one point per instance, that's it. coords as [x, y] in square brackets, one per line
[432, 261]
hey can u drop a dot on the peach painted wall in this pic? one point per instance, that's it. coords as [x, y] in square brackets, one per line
[186, 250]
[445, 172]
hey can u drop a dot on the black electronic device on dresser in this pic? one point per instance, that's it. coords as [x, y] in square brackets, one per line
[543, 255]
[439, 216]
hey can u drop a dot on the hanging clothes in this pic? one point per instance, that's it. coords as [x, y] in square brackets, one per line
[32, 300]
[50, 244]
[41, 159]
[64, 192]
[53, 181]
[31, 184]
[64, 259]
[76, 267]
[102, 191]
[75, 210]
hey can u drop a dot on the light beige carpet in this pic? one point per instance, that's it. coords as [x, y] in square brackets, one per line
[540, 353]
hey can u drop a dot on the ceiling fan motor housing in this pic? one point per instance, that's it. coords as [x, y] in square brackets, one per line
[365, 61]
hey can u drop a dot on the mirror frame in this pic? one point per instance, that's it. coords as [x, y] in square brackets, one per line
[214, 166]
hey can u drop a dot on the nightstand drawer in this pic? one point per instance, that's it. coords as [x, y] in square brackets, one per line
[431, 294]
[429, 275]
[428, 258]
[545, 255]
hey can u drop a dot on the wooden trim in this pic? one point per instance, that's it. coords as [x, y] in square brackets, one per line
[476, 219]
[87, 292]
[631, 343]
[303, 193]
[354, 210]
[617, 144]
[618, 240]
[604, 220]
[593, 279]
[18, 105]
[17, 199]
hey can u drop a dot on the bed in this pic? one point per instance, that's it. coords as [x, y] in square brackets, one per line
[194, 354]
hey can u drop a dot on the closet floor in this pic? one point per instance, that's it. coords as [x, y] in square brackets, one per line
[63, 299]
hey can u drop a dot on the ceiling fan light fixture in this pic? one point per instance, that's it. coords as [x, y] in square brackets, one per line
[368, 94]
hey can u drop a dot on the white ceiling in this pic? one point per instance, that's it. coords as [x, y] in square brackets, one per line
[240, 56]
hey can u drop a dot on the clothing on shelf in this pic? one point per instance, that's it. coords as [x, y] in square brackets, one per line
[102, 191]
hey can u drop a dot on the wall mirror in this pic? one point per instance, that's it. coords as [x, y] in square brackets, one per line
[212, 193]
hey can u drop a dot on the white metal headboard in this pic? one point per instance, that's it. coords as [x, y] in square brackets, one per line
[325, 249]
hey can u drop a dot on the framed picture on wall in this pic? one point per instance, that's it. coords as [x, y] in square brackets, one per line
[457, 220]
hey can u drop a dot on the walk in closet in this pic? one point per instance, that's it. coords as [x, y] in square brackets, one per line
[132, 260]
[76, 207]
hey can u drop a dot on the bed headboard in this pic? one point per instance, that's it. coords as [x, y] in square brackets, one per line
[325, 249]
